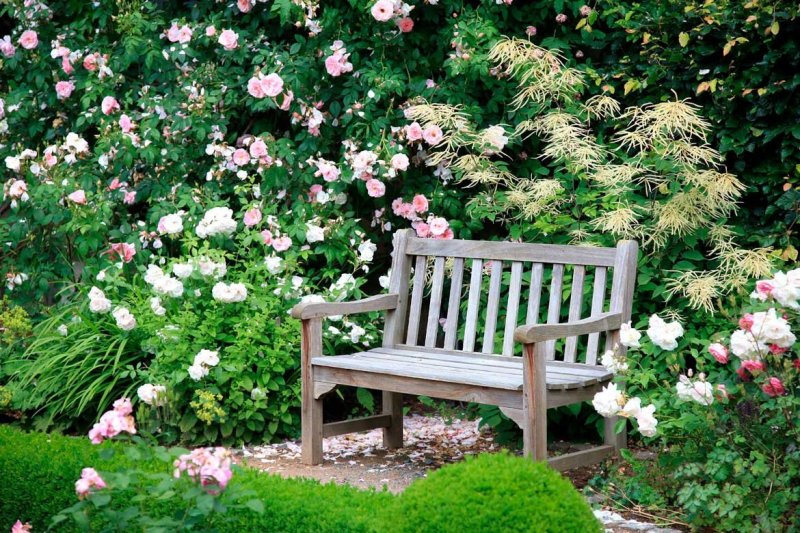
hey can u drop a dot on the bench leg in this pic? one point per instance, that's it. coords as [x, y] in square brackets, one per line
[393, 406]
[311, 413]
[534, 406]
[618, 441]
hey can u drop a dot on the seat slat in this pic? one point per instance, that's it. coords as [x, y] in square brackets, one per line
[437, 286]
[492, 307]
[598, 297]
[471, 325]
[554, 306]
[420, 267]
[512, 307]
[535, 294]
[575, 306]
[454, 304]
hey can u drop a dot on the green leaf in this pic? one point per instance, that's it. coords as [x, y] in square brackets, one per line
[683, 39]
[257, 506]
[365, 398]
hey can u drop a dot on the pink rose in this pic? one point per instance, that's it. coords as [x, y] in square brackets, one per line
[333, 65]
[173, 33]
[255, 88]
[722, 392]
[244, 5]
[109, 105]
[77, 197]
[272, 85]
[66, 65]
[29, 40]
[746, 322]
[64, 89]
[19, 527]
[375, 188]
[185, 34]
[414, 132]
[432, 134]
[252, 217]
[281, 244]
[258, 149]
[423, 229]
[266, 236]
[405, 24]
[764, 288]
[241, 157]
[530, 31]
[130, 198]
[561, 18]
[719, 352]
[382, 10]
[773, 387]
[287, 100]
[399, 161]
[314, 190]
[90, 62]
[125, 123]
[7, 47]
[447, 235]
[420, 203]
[229, 39]
[211, 31]
[438, 226]
[750, 368]
[123, 250]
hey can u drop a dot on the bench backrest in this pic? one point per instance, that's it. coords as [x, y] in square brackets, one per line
[470, 295]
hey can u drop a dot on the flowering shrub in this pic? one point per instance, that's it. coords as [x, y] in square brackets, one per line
[729, 422]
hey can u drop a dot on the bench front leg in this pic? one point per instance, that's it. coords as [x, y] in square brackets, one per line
[534, 406]
[393, 406]
[311, 414]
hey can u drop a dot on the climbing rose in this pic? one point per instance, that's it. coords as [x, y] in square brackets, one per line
[375, 188]
[19, 527]
[252, 217]
[64, 89]
[773, 387]
[719, 352]
[382, 10]
[414, 131]
[229, 39]
[109, 105]
[432, 134]
[29, 40]
[420, 203]
[405, 24]
[123, 250]
[78, 197]
[89, 479]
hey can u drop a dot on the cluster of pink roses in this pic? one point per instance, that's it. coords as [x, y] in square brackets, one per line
[19, 527]
[337, 63]
[89, 480]
[179, 34]
[385, 10]
[114, 422]
[432, 134]
[260, 86]
[211, 467]
[432, 227]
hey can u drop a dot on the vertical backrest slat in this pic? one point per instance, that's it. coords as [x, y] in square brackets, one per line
[398, 283]
[512, 307]
[535, 294]
[471, 325]
[454, 305]
[416, 300]
[554, 305]
[435, 304]
[623, 284]
[598, 297]
[575, 306]
[492, 306]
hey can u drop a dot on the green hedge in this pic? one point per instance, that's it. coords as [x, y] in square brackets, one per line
[500, 493]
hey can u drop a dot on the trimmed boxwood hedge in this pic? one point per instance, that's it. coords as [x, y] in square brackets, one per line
[490, 493]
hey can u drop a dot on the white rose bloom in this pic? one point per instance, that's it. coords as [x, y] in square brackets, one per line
[744, 346]
[383, 281]
[155, 306]
[182, 270]
[170, 224]
[62, 330]
[346, 282]
[664, 335]
[13, 163]
[207, 267]
[153, 274]
[629, 336]
[607, 401]
[632, 408]
[274, 264]
[366, 251]
[614, 363]
[216, 221]
[229, 293]
[312, 298]
[496, 136]
[98, 303]
[314, 233]
[699, 391]
[197, 372]
[169, 286]
[769, 328]
[297, 282]
[207, 358]
[125, 320]
[152, 394]
[356, 332]
[257, 394]
[646, 421]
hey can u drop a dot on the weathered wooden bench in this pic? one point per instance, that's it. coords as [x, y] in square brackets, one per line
[426, 351]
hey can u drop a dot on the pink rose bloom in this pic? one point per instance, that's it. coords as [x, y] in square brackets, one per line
[173, 33]
[258, 149]
[255, 88]
[66, 66]
[266, 236]
[773, 387]
[422, 229]
[109, 105]
[719, 352]
[375, 188]
[7, 47]
[82, 488]
[252, 217]
[211, 31]
[333, 65]
[777, 350]
[241, 157]
[746, 322]
[405, 24]
[281, 244]
[185, 34]
[432, 134]
[130, 198]
[64, 89]
[447, 235]
[229, 39]
[382, 10]
[90, 62]
[314, 190]
[17, 189]
[399, 161]
[272, 85]
[287, 101]
[414, 132]
[750, 368]
[123, 406]
[19, 527]
[764, 288]
[29, 40]
[123, 250]
[78, 197]
[244, 5]
[420, 203]
[438, 226]
[561, 18]
[125, 123]
[530, 31]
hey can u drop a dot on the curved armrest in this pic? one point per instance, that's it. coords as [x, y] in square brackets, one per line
[306, 310]
[546, 332]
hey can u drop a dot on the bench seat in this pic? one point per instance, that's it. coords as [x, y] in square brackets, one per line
[491, 371]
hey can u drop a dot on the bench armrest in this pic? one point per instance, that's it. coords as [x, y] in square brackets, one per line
[546, 332]
[382, 302]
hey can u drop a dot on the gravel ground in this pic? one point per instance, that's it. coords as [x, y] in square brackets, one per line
[359, 460]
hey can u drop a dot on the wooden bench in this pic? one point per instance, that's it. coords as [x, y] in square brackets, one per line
[428, 349]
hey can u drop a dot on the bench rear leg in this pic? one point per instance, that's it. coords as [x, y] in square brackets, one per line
[393, 405]
[534, 403]
[311, 408]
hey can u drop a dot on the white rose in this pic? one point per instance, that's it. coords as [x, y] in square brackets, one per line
[153, 274]
[274, 264]
[155, 306]
[216, 221]
[356, 332]
[98, 303]
[125, 320]
[366, 251]
[646, 421]
[152, 394]
[207, 358]
[744, 346]
[698, 391]
[169, 286]
[607, 401]
[170, 224]
[664, 335]
[399, 161]
[613, 362]
[496, 136]
[62, 330]
[13, 163]
[197, 372]
[229, 293]
[314, 233]
[632, 408]
[769, 328]
[629, 336]
[182, 270]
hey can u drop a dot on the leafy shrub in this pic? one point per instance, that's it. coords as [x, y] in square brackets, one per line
[493, 493]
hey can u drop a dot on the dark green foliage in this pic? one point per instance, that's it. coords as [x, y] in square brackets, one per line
[493, 493]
